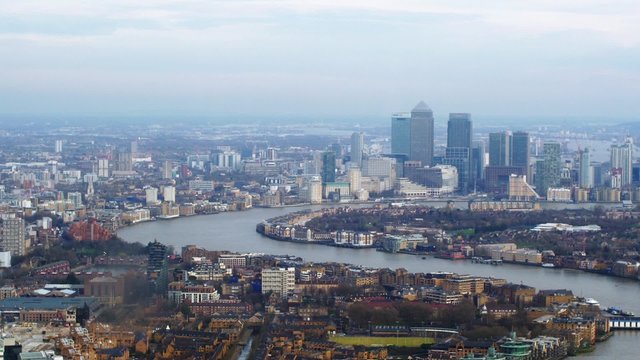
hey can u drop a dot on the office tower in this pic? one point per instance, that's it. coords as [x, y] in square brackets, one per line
[585, 173]
[500, 149]
[622, 161]
[520, 153]
[328, 167]
[478, 152]
[103, 168]
[280, 281]
[421, 144]
[169, 193]
[401, 134]
[58, 146]
[357, 146]
[13, 237]
[548, 169]
[459, 130]
[355, 180]
[458, 151]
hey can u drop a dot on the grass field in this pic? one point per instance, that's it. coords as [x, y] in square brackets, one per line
[381, 341]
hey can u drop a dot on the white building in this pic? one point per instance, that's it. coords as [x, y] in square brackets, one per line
[13, 237]
[103, 168]
[151, 195]
[281, 281]
[169, 193]
[559, 194]
[355, 179]
[622, 160]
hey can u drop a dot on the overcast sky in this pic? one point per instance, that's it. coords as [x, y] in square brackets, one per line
[312, 58]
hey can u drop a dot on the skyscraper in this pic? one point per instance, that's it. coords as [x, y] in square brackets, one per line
[585, 174]
[357, 146]
[500, 149]
[401, 134]
[14, 239]
[622, 161]
[548, 169]
[328, 167]
[421, 134]
[458, 151]
[520, 153]
[478, 152]
[459, 130]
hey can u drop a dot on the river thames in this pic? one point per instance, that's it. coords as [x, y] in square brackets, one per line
[235, 231]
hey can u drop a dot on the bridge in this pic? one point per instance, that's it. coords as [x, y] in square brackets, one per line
[625, 322]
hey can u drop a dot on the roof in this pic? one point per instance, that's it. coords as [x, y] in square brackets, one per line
[421, 107]
[46, 303]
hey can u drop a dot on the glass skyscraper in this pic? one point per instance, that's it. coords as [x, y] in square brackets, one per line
[458, 151]
[500, 149]
[357, 146]
[328, 167]
[401, 134]
[459, 130]
[520, 153]
[421, 134]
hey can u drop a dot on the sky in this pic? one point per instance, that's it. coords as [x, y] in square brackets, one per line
[320, 58]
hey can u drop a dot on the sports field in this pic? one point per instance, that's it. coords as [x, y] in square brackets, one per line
[381, 341]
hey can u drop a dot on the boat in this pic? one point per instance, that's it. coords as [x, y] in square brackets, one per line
[424, 257]
[548, 265]
[615, 311]
[592, 301]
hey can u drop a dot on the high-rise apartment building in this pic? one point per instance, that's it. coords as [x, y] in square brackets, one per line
[103, 168]
[280, 281]
[328, 167]
[58, 146]
[355, 180]
[585, 173]
[156, 258]
[167, 169]
[548, 169]
[151, 195]
[422, 134]
[13, 236]
[357, 146]
[622, 161]
[169, 193]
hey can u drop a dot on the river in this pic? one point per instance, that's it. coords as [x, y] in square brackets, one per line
[235, 231]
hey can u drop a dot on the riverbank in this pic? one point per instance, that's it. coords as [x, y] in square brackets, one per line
[235, 231]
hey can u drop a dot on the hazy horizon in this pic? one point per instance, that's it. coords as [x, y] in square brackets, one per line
[320, 59]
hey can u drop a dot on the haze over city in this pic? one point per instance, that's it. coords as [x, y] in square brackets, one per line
[308, 179]
[320, 59]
